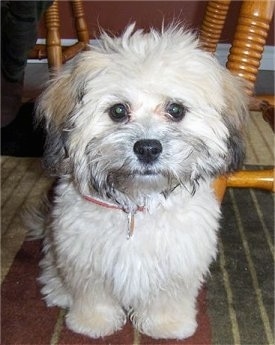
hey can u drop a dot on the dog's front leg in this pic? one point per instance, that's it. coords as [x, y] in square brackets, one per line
[168, 316]
[95, 313]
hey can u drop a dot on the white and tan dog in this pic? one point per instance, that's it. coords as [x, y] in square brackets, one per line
[138, 128]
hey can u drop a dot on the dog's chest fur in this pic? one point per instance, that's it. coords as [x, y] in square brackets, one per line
[176, 241]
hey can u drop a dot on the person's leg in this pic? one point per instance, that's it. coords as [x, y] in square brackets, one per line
[19, 21]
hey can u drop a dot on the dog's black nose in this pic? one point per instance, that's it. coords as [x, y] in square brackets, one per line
[147, 150]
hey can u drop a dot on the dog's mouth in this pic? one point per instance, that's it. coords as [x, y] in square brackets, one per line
[138, 182]
[120, 177]
[146, 172]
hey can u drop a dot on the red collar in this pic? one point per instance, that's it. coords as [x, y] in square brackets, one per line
[130, 215]
[108, 205]
[102, 203]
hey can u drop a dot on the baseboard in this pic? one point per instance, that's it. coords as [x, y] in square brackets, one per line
[267, 63]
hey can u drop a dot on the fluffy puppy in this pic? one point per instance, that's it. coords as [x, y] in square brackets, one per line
[138, 128]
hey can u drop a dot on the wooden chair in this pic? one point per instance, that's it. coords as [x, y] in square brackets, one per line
[52, 50]
[244, 61]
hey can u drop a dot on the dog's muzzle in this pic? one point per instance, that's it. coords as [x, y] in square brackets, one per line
[147, 150]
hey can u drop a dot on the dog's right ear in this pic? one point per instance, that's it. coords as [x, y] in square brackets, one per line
[54, 109]
[59, 104]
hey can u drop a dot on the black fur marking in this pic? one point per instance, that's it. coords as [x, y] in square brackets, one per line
[236, 149]
[81, 91]
[56, 157]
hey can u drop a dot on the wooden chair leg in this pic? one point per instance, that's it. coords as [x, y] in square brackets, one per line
[213, 23]
[80, 22]
[54, 50]
[249, 40]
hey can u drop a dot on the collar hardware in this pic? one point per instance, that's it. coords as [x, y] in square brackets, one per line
[130, 215]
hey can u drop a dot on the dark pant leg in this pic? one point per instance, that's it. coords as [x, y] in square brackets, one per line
[19, 33]
[19, 22]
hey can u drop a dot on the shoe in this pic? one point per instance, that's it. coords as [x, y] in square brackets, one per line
[21, 138]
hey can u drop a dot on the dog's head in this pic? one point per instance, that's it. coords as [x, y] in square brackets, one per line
[141, 113]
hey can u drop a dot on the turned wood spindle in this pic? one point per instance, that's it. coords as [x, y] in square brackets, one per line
[80, 23]
[213, 23]
[249, 40]
[54, 50]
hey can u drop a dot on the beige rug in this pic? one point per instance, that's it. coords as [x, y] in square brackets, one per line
[259, 141]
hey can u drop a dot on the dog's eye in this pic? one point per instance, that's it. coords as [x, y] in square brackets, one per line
[119, 112]
[177, 111]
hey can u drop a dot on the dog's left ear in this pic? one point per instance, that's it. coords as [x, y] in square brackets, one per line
[235, 116]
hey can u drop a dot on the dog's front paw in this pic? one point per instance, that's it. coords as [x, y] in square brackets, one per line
[99, 321]
[166, 324]
[162, 328]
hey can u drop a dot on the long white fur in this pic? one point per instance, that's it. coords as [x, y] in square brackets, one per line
[89, 265]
